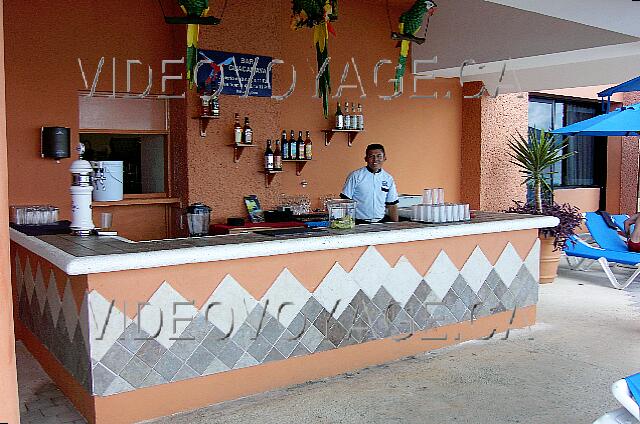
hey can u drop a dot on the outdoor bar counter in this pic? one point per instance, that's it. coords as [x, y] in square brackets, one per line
[131, 331]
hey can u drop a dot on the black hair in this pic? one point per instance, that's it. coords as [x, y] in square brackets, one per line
[375, 146]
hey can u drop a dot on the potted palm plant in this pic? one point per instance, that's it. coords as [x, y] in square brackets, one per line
[534, 156]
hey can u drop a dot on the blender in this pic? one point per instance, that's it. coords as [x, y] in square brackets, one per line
[198, 216]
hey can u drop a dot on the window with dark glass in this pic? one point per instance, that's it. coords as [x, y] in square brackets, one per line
[143, 157]
[588, 167]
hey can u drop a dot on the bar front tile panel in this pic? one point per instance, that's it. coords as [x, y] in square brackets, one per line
[233, 330]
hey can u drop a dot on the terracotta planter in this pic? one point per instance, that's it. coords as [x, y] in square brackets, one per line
[549, 260]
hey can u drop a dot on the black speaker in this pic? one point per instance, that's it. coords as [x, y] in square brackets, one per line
[55, 142]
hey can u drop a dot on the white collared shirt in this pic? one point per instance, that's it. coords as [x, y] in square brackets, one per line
[371, 191]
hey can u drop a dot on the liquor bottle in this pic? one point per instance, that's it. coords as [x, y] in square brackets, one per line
[300, 146]
[247, 132]
[354, 117]
[308, 145]
[215, 107]
[206, 105]
[339, 118]
[347, 117]
[360, 118]
[237, 131]
[268, 158]
[285, 146]
[277, 157]
[293, 147]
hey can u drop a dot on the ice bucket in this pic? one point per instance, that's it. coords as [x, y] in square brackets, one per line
[198, 216]
[342, 213]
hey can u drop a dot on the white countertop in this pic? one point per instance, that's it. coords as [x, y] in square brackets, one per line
[78, 265]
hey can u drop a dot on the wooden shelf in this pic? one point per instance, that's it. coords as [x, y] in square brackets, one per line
[351, 135]
[204, 123]
[300, 163]
[238, 149]
[140, 201]
[268, 177]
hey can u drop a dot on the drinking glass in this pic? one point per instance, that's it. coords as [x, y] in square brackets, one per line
[106, 220]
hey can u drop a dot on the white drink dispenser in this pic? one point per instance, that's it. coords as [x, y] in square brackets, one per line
[81, 188]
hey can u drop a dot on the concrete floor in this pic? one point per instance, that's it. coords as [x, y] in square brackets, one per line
[558, 371]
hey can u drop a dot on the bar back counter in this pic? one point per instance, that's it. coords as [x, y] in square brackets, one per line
[131, 331]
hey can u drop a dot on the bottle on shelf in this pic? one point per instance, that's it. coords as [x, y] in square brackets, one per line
[354, 117]
[347, 117]
[339, 118]
[268, 158]
[277, 157]
[237, 131]
[215, 107]
[293, 147]
[360, 118]
[285, 146]
[206, 105]
[308, 146]
[300, 146]
[247, 132]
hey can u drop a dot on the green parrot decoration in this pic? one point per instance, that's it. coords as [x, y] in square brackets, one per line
[410, 24]
[318, 14]
[193, 8]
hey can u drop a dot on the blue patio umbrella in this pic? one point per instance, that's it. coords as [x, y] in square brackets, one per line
[625, 87]
[624, 121]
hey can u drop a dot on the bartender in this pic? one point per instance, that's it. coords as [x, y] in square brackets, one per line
[373, 189]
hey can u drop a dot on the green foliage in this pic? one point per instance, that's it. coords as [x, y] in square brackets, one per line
[535, 156]
[313, 12]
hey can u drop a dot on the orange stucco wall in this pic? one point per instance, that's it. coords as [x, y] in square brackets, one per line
[422, 136]
[490, 181]
[42, 46]
[8, 380]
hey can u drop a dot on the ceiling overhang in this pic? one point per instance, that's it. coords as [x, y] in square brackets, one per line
[537, 45]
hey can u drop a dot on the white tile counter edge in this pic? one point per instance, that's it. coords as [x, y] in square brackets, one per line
[73, 265]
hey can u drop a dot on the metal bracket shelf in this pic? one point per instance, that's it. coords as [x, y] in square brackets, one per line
[204, 123]
[300, 163]
[238, 149]
[268, 177]
[351, 135]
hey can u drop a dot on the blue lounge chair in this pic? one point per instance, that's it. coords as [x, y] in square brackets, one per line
[606, 237]
[619, 220]
[626, 392]
[579, 249]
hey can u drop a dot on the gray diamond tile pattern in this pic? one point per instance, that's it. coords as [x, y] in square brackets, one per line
[200, 360]
[116, 358]
[168, 365]
[135, 372]
[150, 352]
[230, 354]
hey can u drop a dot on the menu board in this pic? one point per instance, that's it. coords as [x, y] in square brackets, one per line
[238, 68]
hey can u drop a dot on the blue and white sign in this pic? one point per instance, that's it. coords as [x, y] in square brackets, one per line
[238, 70]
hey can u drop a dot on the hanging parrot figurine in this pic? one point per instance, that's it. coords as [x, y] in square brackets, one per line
[409, 25]
[193, 8]
[318, 14]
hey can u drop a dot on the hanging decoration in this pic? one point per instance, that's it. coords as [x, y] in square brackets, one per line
[193, 8]
[318, 14]
[409, 25]
[195, 15]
